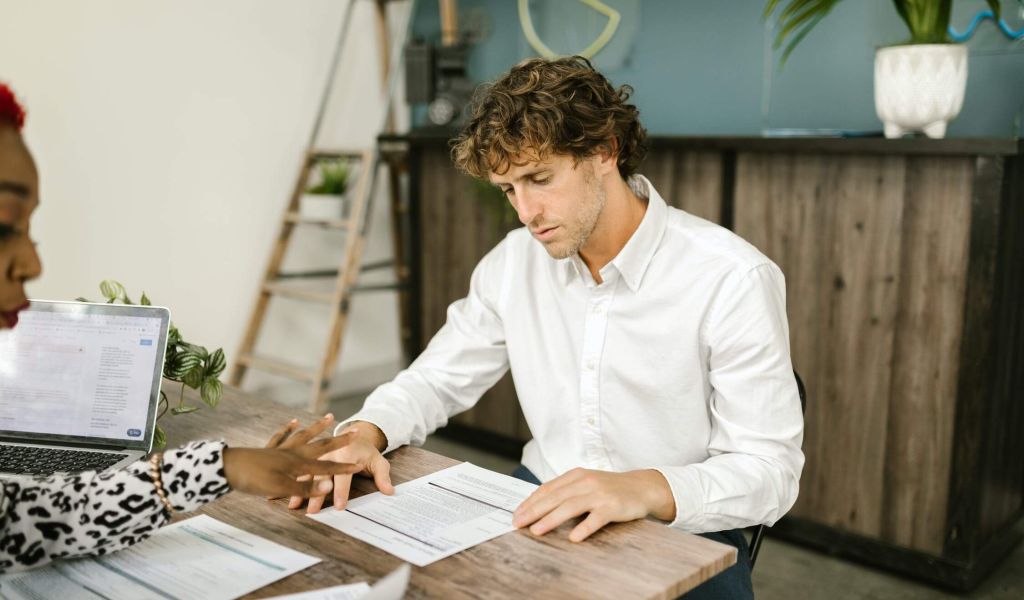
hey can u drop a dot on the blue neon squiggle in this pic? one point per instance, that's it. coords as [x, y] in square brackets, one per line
[978, 18]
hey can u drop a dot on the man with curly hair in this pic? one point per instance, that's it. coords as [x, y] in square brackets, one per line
[649, 348]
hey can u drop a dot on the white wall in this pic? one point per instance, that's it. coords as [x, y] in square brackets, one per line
[168, 135]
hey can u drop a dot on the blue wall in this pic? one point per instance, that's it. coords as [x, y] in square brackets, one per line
[707, 66]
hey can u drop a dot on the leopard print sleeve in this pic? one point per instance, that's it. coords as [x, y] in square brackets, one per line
[97, 513]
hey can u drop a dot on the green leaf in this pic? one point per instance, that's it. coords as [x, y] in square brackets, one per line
[183, 363]
[212, 391]
[111, 290]
[194, 350]
[183, 410]
[901, 9]
[172, 364]
[173, 336]
[144, 301]
[81, 299]
[193, 378]
[941, 22]
[800, 36]
[797, 20]
[216, 363]
[159, 438]
[996, 10]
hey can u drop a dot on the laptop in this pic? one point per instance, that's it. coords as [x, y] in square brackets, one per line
[79, 386]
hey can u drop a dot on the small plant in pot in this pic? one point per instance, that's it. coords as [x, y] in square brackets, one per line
[325, 200]
[920, 83]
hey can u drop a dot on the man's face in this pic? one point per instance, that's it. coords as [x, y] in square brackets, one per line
[19, 196]
[558, 199]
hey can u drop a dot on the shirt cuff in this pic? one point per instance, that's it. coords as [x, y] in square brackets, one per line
[193, 475]
[688, 495]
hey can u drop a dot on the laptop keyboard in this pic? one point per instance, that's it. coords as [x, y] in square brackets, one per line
[32, 460]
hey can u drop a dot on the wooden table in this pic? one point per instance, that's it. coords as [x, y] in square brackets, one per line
[642, 559]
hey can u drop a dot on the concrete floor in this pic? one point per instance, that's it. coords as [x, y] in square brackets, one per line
[786, 571]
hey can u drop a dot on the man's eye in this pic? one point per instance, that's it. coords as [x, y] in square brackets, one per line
[509, 192]
[542, 181]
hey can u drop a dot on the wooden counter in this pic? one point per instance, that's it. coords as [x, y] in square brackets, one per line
[904, 262]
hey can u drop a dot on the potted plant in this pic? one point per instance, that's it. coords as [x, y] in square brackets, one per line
[190, 364]
[920, 83]
[325, 200]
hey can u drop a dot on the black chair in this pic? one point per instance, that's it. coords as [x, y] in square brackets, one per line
[755, 541]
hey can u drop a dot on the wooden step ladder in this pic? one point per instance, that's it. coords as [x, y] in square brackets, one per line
[303, 285]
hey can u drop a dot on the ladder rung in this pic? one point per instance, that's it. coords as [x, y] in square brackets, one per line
[298, 293]
[271, 365]
[307, 274]
[374, 266]
[320, 274]
[383, 287]
[294, 217]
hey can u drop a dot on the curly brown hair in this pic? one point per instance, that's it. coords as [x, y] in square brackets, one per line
[549, 106]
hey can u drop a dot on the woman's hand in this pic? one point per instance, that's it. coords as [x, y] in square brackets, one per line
[274, 471]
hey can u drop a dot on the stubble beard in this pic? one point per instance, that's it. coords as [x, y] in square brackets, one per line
[582, 226]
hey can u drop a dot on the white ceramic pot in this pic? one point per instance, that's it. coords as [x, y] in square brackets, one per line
[919, 87]
[322, 206]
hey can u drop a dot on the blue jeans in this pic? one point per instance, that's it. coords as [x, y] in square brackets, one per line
[732, 584]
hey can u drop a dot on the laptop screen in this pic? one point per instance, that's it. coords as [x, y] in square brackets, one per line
[74, 372]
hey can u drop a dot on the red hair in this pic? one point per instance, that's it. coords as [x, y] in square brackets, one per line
[11, 111]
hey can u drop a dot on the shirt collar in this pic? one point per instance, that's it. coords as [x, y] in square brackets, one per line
[632, 261]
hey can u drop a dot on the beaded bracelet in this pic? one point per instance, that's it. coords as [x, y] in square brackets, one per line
[154, 473]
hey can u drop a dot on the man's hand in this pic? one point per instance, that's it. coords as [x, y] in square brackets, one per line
[363, 450]
[273, 471]
[607, 497]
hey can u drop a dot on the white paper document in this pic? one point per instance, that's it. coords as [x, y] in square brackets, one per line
[434, 516]
[200, 557]
[349, 591]
[390, 587]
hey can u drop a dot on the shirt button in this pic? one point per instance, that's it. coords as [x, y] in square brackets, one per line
[590, 365]
[590, 421]
[598, 309]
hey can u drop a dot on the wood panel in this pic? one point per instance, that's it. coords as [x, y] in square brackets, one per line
[832, 223]
[1002, 463]
[458, 228]
[926, 356]
[691, 181]
[976, 389]
[987, 484]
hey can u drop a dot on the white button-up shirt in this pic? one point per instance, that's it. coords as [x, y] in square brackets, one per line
[678, 361]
